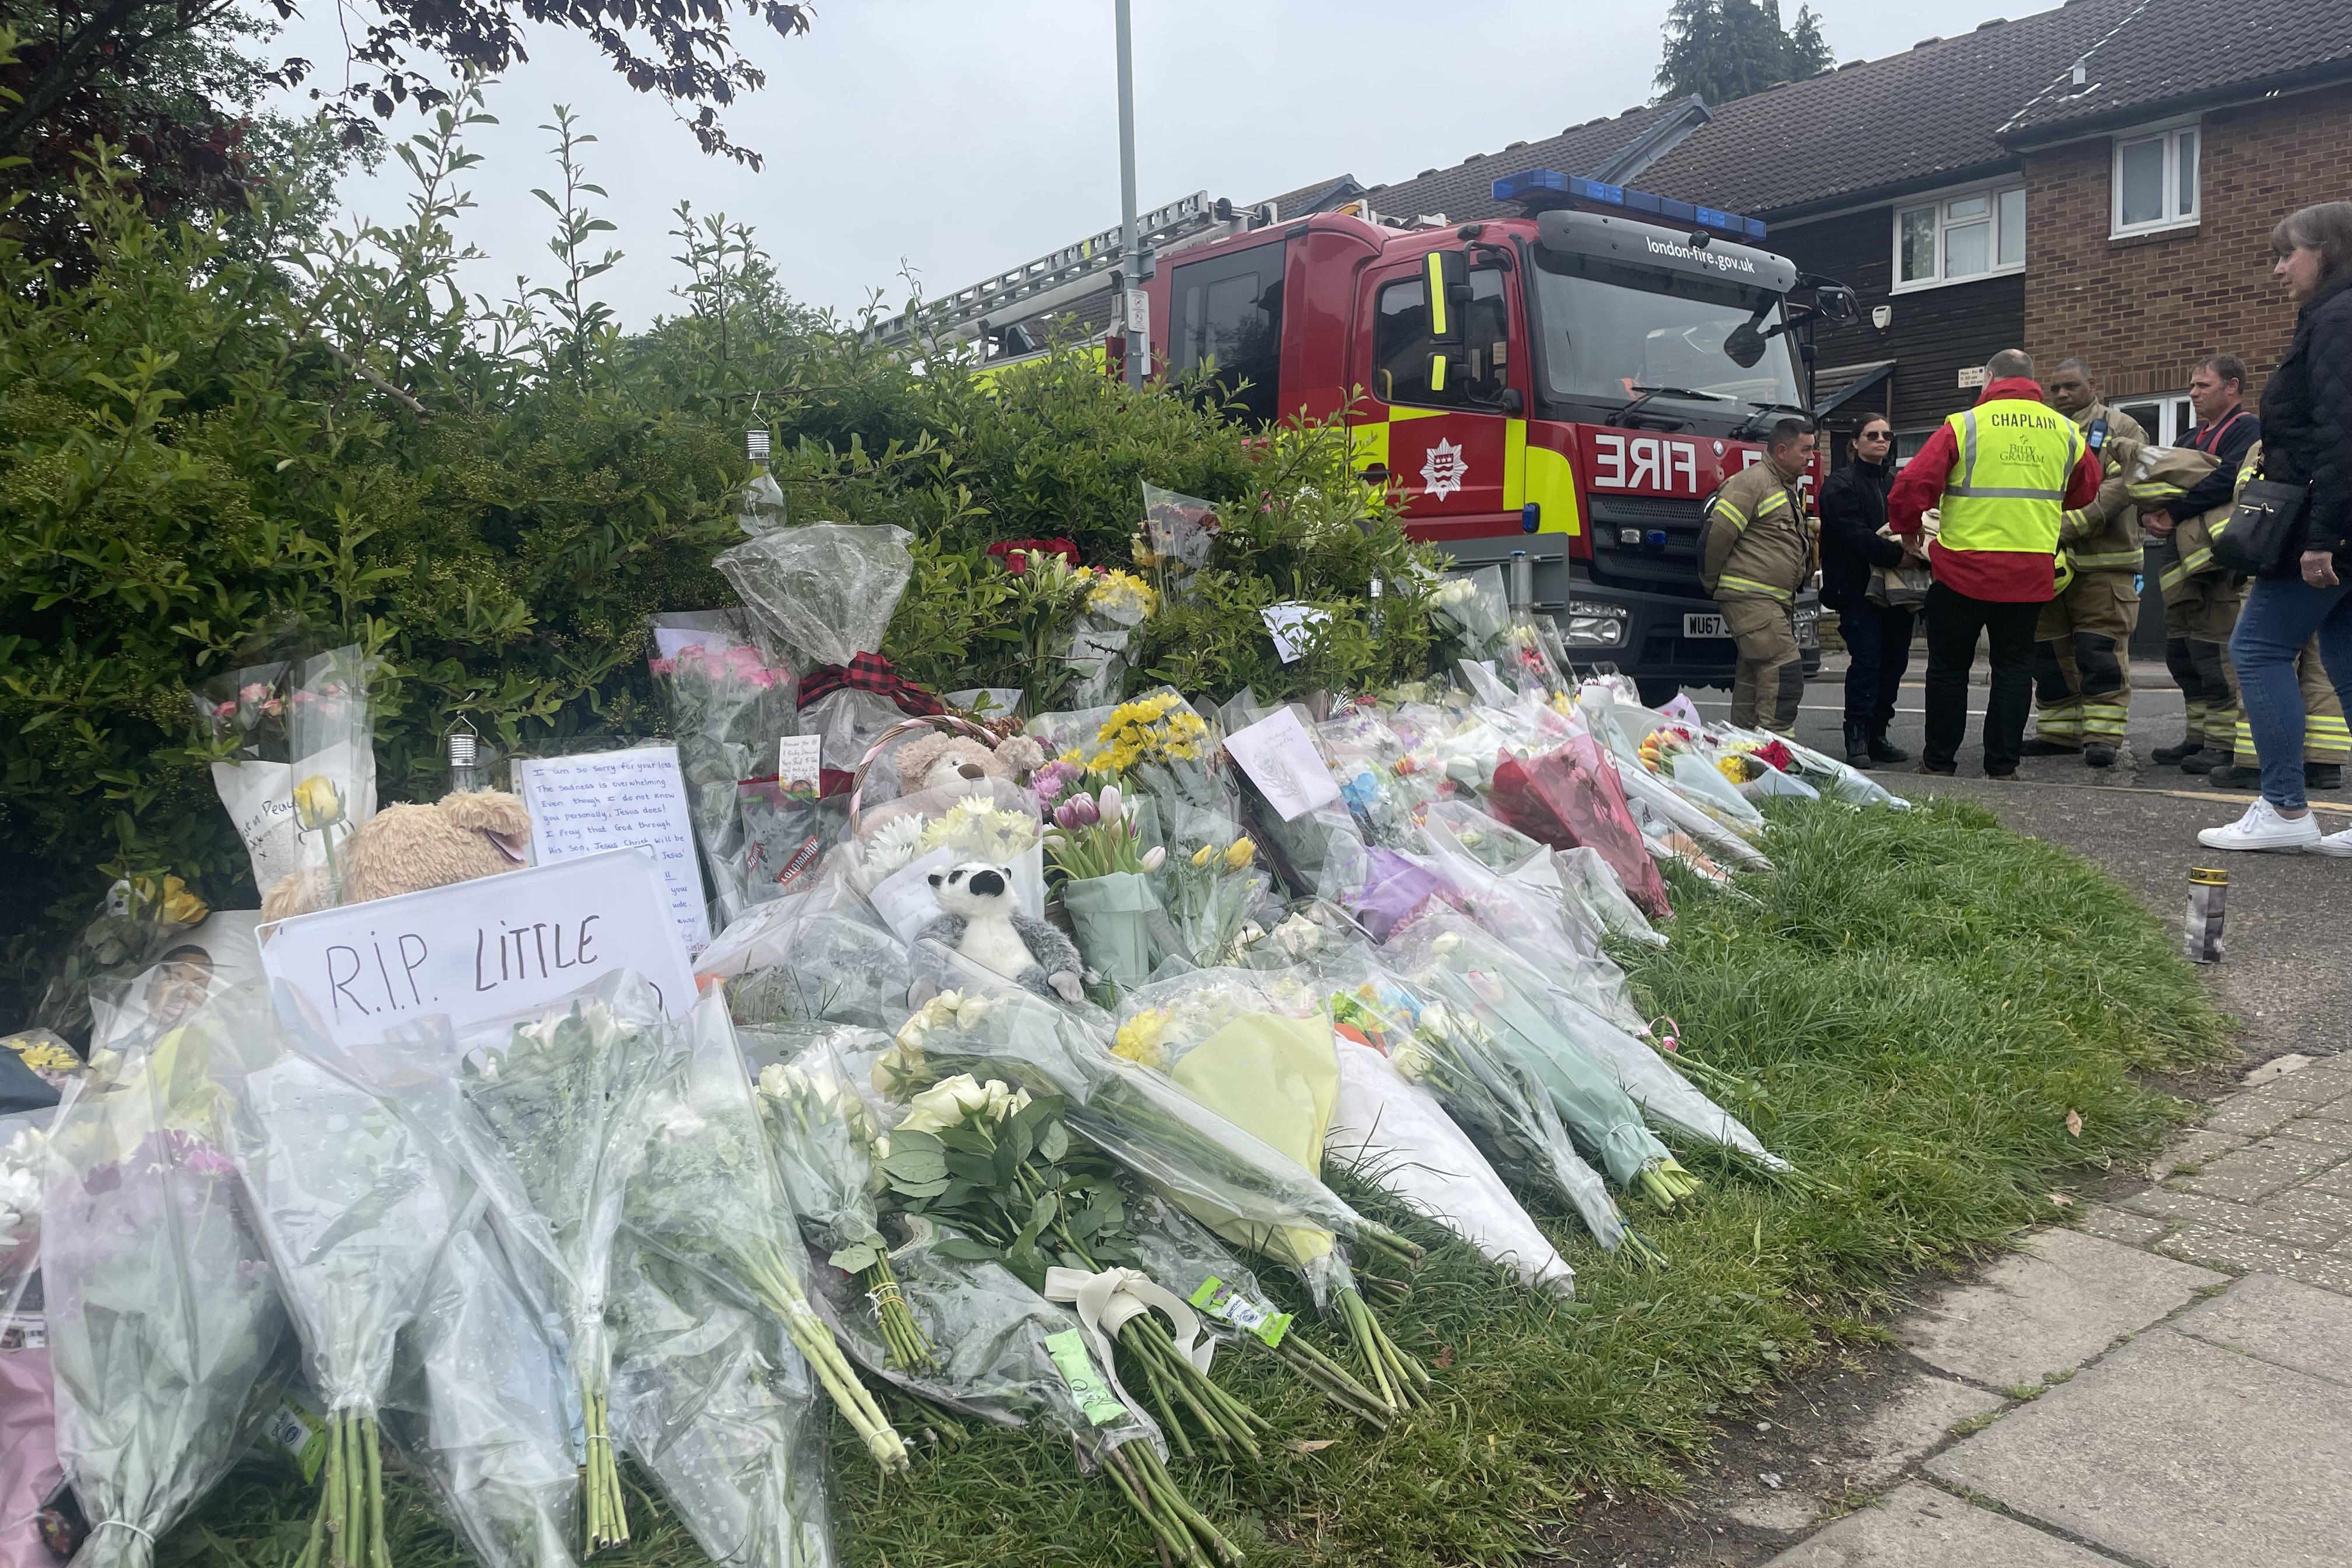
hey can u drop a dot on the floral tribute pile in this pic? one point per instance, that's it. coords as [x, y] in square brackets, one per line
[886, 1163]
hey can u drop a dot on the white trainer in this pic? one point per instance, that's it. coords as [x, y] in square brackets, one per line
[2336, 844]
[2263, 828]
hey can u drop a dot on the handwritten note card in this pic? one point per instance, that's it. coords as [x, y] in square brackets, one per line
[617, 800]
[1280, 758]
[498, 947]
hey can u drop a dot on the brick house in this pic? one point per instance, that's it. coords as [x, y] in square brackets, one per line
[2154, 182]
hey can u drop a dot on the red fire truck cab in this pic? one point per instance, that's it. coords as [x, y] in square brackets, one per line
[1571, 384]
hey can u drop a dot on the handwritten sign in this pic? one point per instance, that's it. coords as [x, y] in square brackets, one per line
[1280, 759]
[634, 799]
[495, 948]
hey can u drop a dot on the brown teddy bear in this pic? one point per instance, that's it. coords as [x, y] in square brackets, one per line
[407, 848]
[938, 761]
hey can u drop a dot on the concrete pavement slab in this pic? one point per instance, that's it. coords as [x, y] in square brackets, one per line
[2327, 1267]
[2122, 1225]
[2262, 1168]
[2048, 1308]
[2259, 1113]
[2193, 1151]
[1916, 1526]
[2180, 1210]
[2181, 1454]
[2296, 1326]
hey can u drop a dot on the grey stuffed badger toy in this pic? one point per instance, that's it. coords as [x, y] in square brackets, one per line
[981, 919]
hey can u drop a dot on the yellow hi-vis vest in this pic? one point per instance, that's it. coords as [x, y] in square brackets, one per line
[2008, 485]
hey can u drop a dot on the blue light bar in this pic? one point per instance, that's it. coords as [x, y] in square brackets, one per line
[1536, 186]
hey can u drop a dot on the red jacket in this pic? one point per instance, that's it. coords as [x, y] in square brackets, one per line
[2003, 576]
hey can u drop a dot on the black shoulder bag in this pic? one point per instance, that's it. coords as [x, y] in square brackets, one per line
[2262, 535]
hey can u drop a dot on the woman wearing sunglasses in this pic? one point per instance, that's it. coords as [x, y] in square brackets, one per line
[1878, 636]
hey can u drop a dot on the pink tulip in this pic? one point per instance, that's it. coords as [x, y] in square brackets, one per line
[1078, 811]
[1110, 803]
[1153, 858]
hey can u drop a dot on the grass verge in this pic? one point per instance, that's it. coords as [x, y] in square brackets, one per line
[1921, 999]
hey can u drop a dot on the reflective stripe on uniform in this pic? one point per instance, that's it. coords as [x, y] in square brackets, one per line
[2107, 560]
[1723, 511]
[2102, 720]
[1727, 583]
[1992, 501]
[1772, 503]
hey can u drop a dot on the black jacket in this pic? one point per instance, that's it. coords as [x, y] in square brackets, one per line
[1854, 509]
[2228, 440]
[2307, 415]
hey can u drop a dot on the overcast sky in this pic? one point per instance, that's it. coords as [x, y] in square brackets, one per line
[957, 137]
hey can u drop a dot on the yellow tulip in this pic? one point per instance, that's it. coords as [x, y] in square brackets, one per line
[318, 803]
[1241, 854]
[1200, 856]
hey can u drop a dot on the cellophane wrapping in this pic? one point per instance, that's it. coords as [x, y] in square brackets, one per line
[724, 1414]
[162, 1310]
[486, 1406]
[729, 706]
[1486, 1092]
[1257, 1196]
[1393, 1133]
[828, 591]
[1572, 796]
[547, 1119]
[29, 1472]
[1449, 957]
[352, 1204]
[706, 1193]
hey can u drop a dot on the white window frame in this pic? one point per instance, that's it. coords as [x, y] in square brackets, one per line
[2175, 417]
[2169, 133]
[1941, 201]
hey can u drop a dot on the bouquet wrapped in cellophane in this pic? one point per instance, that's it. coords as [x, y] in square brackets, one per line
[484, 1403]
[1393, 1132]
[727, 1422]
[1446, 1051]
[825, 1144]
[548, 1121]
[1253, 1195]
[163, 1308]
[705, 1193]
[353, 1206]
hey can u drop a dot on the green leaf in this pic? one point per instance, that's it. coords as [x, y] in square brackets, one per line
[1053, 1142]
[855, 1259]
[914, 1163]
[980, 1168]
[964, 1249]
[920, 1189]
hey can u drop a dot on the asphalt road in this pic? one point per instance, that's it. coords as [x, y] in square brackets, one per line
[2287, 969]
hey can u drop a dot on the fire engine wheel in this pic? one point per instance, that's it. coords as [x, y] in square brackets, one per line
[1656, 693]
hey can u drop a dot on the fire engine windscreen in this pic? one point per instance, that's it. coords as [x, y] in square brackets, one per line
[1607, 328]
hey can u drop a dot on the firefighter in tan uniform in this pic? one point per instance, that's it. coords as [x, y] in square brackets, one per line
[2082, 672]
[1757, 551]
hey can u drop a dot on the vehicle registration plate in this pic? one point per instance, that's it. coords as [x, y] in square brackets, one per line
[1705, 627]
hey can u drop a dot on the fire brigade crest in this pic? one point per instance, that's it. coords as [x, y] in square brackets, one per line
[1445, 470]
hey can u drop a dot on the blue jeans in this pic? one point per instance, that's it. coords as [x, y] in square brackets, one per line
[2279, 616]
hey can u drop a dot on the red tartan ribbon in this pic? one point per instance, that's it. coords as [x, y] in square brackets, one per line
[869, 672]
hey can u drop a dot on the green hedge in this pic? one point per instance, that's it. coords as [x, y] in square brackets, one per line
[212, 455]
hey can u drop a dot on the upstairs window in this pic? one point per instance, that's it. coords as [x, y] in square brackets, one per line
[1959, 237]
[2155, 180]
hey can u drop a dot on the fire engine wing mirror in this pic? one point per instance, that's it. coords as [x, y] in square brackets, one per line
[1837, 302]
[1447, 274]
[1744, 345]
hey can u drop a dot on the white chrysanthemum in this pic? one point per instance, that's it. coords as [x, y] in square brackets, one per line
[897, 843]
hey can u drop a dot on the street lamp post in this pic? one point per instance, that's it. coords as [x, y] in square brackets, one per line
[1131, 263]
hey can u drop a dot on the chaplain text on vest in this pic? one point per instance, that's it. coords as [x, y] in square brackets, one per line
[479, 950]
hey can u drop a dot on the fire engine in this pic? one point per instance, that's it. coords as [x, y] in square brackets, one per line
[1557, 392]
